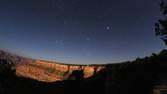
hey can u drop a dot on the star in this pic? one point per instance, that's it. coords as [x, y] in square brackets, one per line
[56, 41]
[99, 17]
[64, 22]
[88, 54]
[88, 38]
[59, 42]
[108, 28]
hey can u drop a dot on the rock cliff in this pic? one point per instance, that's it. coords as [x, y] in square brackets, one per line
[47, 71]
[52, 71]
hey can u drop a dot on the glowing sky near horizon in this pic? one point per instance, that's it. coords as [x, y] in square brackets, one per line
[80, 31]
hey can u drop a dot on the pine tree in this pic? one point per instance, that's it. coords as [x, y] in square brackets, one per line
[161, 25]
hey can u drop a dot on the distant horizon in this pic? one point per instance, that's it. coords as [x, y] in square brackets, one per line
[58, 61]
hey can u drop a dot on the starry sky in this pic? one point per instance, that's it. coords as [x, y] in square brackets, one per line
[80, 31]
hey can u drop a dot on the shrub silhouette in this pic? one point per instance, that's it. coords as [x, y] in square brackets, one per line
[7, 74]
[7, 67]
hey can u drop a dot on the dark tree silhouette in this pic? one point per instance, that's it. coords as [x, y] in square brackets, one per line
[7, 67]
[161, 25]
[78, 75]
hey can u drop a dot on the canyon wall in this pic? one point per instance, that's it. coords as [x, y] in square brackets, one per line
[53, 71]
[47, 71]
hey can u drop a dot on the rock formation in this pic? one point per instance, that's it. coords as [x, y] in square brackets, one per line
[50, 72]
[47, 71]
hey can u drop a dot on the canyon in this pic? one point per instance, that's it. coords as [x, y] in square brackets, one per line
[52, 71]
[146, 75]
[47, 71]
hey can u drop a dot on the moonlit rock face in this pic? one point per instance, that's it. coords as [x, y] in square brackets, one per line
[39, 74]
[73, 68]
[47, 71]
[51, 72]
[88, 71]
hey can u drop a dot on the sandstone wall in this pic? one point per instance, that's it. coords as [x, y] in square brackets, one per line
[51, 72]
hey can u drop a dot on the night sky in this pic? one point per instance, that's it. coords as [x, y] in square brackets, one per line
[80, 31]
